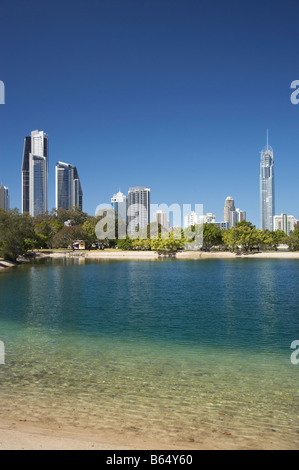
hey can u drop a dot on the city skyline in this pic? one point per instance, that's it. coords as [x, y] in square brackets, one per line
[136, 208]
[171, 101]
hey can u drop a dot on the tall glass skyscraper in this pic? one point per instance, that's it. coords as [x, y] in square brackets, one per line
[138, 208]
[35, 174]
[267, 196]
[68, 190]
[4, 198]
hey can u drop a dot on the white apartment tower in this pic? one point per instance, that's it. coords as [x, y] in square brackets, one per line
[35, 174]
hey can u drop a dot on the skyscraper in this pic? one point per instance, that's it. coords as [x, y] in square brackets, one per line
[119, 204]
[68, 190]
[160, 217]
[284, 222]
[229, 215]
[241, 215]
[4, 198]
[138, 208]
[267, 197]
[35, 174]
[191, 219]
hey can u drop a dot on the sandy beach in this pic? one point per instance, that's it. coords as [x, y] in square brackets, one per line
[20, 434]
[6, 264]
[152, 255]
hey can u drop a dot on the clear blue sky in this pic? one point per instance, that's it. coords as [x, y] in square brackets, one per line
[171, 94]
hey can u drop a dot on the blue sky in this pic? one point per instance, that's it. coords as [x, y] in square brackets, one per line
[175, 95]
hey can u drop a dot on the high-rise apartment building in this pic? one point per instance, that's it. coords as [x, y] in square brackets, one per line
[267, 196]
[209, 218]
[68, 190]
[35, 173]
[284, 222]
[241, 215]
[160, 217]
[192, 219]
[4, 198]
[195, 219]
[229, 212]
[119, 203]
[231, 215]
[138, 208]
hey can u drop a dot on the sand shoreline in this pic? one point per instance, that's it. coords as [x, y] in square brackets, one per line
[6, 264]
[149, 255]
[152, 255]
[20, 434]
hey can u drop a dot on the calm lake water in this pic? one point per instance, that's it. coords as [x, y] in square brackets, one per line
[172, 349]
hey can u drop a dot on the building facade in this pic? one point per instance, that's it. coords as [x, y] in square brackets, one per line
[209, 218]
[221, 225]
[229, 211]
[284, 222]
[4, 198]
[241, 215]
[68, 190]
[192, 219]
[231, 215]
[160, 217]
[35, 168]
[267, 195]
[119, 203]
[138, 208]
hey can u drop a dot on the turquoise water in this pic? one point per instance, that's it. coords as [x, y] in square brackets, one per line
[173, 349]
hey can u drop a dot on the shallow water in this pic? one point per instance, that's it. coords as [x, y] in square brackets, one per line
[171, 349]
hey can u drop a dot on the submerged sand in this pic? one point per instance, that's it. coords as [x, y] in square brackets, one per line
[17, 432]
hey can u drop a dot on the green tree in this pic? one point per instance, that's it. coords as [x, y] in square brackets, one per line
[67, 235]
[293, 240]
[169, 245]
[88, 228]
[74, 216]
[125, 244]
[46, 227]
[212, 236]
[141, 244]
[243, 237]
[16, 234]
[269, 240]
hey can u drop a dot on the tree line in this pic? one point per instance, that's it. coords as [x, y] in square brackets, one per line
[21, 233]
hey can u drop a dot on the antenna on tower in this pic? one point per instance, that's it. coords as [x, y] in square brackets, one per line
[267, 139]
